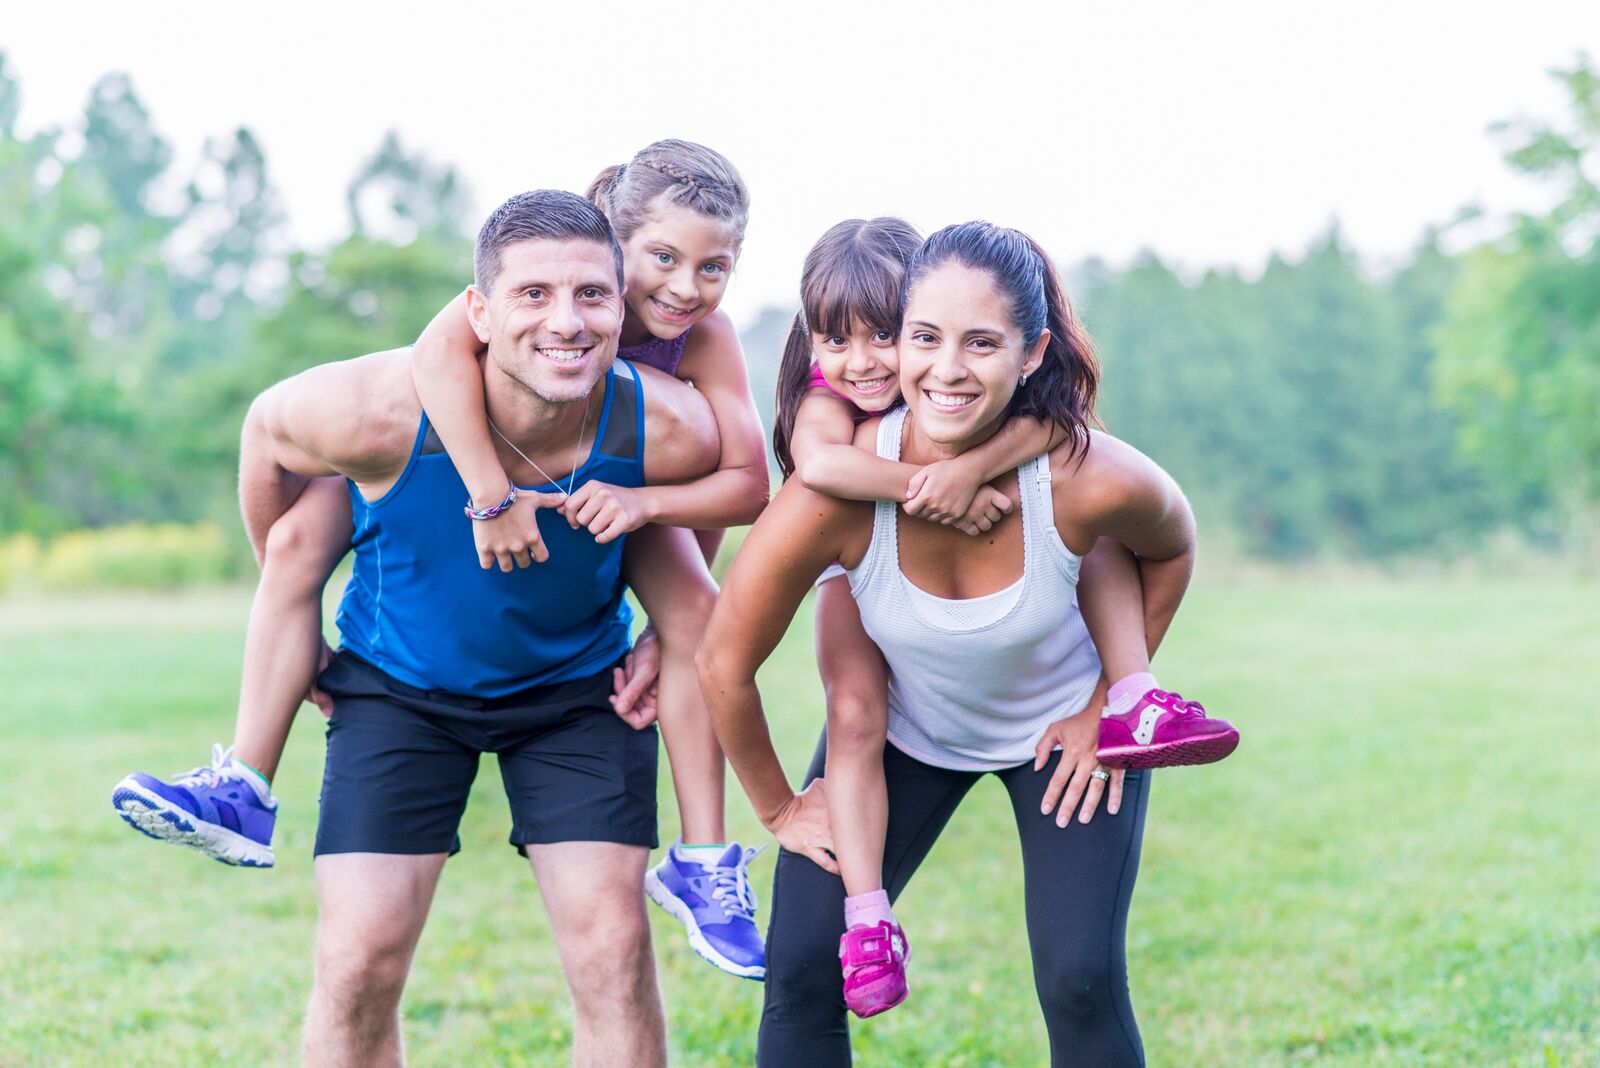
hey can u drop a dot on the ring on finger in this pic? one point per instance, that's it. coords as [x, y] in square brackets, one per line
[1100, 773]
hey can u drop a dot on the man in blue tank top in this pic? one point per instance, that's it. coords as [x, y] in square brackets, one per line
[441, 660]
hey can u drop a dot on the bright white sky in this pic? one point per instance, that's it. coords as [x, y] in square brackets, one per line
[1212, 133]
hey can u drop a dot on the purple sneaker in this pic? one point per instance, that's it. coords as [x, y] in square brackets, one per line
[715, 904]
[1162, 730]
[221, 810]
[874, 962]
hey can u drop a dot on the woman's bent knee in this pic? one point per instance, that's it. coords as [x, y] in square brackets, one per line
[1078, 991]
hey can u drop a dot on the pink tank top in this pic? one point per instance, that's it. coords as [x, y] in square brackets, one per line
[817, 381]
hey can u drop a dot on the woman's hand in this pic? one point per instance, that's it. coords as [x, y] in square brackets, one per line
[607, 511]
[801, 826]
[1077, 737]
[512, 537]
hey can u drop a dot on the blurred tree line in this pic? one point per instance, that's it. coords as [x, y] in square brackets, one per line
[1315, 409]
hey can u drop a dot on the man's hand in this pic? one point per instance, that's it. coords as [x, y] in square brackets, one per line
[801, 826]
[314, 695]
[635, 683]
[1077, 737]
[512, 537]
[607, 511]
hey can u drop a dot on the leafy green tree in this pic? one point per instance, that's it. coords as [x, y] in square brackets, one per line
[58, 404]
[1519, 347]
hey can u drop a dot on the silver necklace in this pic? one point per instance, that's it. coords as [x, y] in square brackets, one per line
[576, 459]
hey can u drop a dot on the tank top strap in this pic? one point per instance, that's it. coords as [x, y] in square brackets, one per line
[1045, 539]
[883, 551]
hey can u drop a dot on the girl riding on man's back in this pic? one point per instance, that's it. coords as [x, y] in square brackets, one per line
[839, 367]
[679, 212]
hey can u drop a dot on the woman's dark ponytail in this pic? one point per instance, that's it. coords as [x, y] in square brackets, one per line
[1066, 385]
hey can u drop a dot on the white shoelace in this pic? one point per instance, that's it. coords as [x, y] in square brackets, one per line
[221, 769]
[731, 886]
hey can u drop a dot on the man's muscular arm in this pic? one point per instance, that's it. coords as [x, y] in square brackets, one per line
[349, 419]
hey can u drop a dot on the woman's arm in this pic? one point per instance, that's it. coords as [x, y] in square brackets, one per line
[798, 535]
[1119, 493]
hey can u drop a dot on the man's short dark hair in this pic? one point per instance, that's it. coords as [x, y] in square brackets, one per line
[541, 214]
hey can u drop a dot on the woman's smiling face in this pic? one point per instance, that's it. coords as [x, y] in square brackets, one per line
[961, 355]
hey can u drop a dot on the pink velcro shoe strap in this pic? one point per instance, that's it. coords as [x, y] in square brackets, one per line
[863, 947]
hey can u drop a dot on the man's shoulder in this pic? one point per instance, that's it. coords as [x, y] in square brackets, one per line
[364, 411]
[681, 438]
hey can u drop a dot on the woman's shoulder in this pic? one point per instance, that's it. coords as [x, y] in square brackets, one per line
[1094, 474]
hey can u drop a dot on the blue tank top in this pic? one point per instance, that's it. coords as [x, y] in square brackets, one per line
[420, 608]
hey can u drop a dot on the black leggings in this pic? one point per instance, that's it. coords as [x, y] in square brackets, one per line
[1078, 882]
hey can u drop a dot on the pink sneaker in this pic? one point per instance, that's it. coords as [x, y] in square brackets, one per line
[1162, 731]
[874, 961]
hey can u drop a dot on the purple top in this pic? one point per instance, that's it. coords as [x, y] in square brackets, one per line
[658, 352]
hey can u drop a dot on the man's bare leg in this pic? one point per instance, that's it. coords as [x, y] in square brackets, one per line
[592, 891]
[370, 912]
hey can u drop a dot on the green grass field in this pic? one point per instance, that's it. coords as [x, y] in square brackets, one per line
[1400, 866]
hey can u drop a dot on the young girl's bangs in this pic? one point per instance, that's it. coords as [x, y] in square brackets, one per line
[859, 291]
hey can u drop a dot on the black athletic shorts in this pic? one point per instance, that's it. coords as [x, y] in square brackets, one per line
[401, 762]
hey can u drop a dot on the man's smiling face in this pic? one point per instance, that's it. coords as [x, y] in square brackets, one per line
[553, 318]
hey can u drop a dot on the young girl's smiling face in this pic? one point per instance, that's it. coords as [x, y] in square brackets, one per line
[677, 264]
[862, 365]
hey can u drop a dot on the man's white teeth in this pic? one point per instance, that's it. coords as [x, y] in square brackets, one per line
[564, 355]
[951, 400]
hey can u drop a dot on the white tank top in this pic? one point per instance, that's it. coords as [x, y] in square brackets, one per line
[973, 683]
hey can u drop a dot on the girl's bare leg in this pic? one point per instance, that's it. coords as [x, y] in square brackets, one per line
[667, 571]
[1111, 598]
[283, 646]
[855, 680]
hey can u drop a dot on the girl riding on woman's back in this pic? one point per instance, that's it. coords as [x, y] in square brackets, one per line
[839, 367]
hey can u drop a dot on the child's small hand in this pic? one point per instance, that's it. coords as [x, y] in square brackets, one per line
[512, 537]
[988, 508]
[942, 492]
[607, 511]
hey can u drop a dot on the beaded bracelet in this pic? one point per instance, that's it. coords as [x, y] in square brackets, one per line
[494, 509]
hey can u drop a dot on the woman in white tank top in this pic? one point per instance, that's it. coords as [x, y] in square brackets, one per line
[990, 664]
